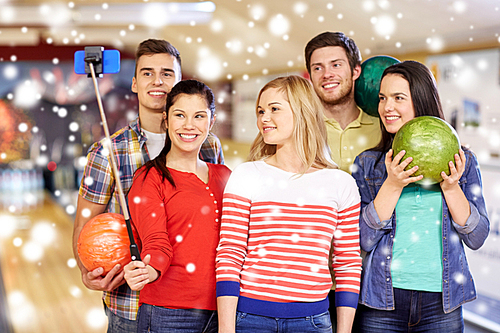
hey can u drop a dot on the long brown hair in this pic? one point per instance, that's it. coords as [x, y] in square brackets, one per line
[309, 131]
[423, 91]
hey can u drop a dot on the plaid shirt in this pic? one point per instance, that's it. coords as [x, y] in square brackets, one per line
[98, 186]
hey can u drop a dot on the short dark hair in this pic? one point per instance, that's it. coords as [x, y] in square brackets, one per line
[423, 91]
[333, 39]
[186, 87]
[156, 46]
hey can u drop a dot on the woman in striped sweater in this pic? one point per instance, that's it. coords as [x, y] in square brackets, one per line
[282, 213]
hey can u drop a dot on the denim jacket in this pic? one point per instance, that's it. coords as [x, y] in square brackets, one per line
[377, 237]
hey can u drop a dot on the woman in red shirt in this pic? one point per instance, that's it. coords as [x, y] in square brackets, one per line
[175, 206]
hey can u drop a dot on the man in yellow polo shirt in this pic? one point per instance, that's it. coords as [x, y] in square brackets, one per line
[334, 63]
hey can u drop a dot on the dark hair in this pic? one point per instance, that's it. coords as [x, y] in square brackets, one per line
[333, 39]
[423, 91]
[186, 87]
[156, 46]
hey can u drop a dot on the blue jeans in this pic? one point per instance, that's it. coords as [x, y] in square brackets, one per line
[249, 323]
[415, 311]
[156, 319]
[117, 324]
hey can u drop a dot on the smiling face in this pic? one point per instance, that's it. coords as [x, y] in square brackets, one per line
[154, 78]
[395, 104]
[188, 123]
[331, 75]
[275, 118]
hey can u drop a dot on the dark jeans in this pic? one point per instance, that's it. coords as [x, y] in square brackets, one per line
[249, 323]
[117, 324]
[416, 311]
[156, 319]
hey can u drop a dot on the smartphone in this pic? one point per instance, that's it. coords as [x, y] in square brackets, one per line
[110, 61]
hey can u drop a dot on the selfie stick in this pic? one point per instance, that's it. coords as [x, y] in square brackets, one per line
[134, 251]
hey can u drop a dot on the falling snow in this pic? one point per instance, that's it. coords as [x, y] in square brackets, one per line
[315, 268]
[190, 268]
[383, 21]
[295, 238]
[279, 25]
[96, 318]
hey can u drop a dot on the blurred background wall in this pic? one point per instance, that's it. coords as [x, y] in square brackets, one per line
[49, 116]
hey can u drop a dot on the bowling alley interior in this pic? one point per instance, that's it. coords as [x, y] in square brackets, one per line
[50, 117]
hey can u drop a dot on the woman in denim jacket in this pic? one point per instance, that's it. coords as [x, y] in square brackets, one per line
[415, 273]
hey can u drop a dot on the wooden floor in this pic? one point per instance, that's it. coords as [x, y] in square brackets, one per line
[42, 284]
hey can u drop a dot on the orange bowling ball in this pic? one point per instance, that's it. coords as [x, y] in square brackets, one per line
[104, 242]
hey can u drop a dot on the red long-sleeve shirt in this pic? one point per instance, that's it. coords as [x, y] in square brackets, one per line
[179, 228]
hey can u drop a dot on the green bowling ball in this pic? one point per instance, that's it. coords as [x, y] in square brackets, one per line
[432, 143]
[367, 85]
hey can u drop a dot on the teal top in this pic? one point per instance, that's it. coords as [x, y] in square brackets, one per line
[417, 251]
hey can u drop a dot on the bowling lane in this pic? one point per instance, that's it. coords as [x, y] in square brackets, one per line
[43, 288]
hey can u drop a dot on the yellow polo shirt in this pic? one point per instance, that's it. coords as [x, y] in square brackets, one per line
[345, 144]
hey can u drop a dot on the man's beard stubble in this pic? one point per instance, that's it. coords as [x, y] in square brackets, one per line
[344, 99]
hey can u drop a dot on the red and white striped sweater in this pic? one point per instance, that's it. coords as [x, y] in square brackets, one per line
[276, 233]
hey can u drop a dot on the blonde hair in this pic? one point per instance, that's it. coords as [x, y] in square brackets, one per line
[309, 130]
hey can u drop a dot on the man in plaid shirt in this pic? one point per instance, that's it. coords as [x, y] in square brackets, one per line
[158, 69]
